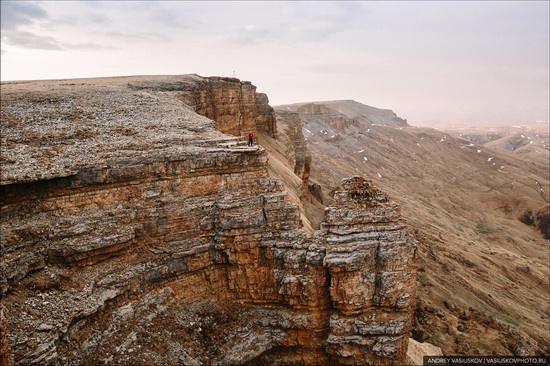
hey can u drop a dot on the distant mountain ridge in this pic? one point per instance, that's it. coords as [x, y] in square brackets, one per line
[344, 110]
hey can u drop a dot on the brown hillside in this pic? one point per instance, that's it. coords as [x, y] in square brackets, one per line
[483, 282]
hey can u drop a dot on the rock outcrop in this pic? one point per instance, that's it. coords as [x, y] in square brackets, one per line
[340, 115]
[416, 352]
[229, 102]
[234, 105]
[265, 119]
[297, 152]
[137, 233]
[5, 352]
[370, 258]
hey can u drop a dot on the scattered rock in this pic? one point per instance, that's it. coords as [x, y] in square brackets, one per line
[462, 345]
[44, 327]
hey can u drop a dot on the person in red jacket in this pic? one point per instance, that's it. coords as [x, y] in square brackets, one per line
[250, 138]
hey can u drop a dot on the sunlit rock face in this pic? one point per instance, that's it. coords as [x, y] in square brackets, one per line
[229, 102]
[169, 243]
[370, 258]
[265, 118]
[297, 151]
[235, 105]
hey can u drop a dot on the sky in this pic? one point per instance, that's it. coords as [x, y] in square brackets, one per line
[430, 62]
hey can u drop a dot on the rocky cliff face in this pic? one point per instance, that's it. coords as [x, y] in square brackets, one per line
[229, 102]
[483, 279]
[265, 119]
[233, 105]
[166, 242]
[297, 152]
[370, 257]
[5, 351]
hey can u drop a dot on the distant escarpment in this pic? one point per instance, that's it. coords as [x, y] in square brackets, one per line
[341, 114]
[135, 232]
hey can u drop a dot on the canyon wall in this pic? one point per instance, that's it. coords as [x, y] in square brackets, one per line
[265, 119]
[297, 152]
[229, 102]
[234, 105]
[340, 115]
[166, 242]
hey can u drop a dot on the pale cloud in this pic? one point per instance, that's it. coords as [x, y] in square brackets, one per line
[18, 16]
[14, 16]
[139, 36]
[30, 40]
[19, 13]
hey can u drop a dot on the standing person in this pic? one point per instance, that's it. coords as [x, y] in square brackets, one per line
[250, 138]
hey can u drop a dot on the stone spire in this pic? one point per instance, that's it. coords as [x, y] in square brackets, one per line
[370, 257]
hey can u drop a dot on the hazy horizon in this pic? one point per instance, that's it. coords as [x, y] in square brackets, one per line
[429, 62]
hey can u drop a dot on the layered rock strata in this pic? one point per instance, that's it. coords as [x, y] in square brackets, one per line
[228, 101]
[340, 115]
[172, 245]
[265, 119]
[234, 105]
[5, 352]
[297, 152]
[370, 258]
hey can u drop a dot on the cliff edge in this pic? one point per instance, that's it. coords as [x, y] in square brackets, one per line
[136, 231]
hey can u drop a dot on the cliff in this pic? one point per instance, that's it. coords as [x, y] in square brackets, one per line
[233, 105]
[296, 151]
[483, 283]
[340, 115]
[135, 232]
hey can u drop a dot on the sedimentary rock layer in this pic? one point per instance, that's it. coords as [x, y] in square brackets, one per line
[176, 247]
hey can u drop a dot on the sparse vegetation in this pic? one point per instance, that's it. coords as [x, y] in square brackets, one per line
[528, 218]
[484, 228]
[543, 222]
[540, 220]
